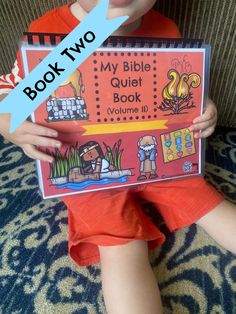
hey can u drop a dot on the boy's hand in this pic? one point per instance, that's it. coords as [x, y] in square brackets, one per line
[203, 126]
[30, 135]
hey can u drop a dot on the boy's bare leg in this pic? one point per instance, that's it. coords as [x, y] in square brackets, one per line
[220, 224]
[129, 284]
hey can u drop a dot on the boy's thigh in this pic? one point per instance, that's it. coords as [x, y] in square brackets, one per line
[182, 202]
[115, 213]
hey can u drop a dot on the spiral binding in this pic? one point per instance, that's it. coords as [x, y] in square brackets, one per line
[149, 42]
[43, 38]
[118, 41]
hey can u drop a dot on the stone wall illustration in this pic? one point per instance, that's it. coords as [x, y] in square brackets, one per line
[67, 109]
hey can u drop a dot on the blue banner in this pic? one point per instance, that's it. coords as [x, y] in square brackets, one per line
[59, 64]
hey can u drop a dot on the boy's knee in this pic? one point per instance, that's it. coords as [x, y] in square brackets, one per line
[129, 250]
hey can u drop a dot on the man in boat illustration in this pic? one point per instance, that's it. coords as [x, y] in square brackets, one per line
[95, 166]
[147, 152]
[93, 159]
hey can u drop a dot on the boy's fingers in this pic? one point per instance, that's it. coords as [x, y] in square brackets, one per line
[39, 141]
[210, 113]
[207, 132]
[32, 152]
[37, 129]
[202, 126]
[205, 117]
[44, 141]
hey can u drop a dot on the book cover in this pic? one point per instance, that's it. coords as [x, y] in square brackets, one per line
[123, 117]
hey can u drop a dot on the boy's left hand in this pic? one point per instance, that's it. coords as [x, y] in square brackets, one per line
[203, 126]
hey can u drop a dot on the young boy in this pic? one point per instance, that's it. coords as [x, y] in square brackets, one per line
[110, 225]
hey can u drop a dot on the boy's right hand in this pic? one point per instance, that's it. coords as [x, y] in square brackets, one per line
[30, 135]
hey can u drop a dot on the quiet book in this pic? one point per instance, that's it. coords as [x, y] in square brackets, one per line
[123, 115]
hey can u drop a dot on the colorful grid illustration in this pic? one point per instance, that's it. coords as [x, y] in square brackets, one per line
[177, 144]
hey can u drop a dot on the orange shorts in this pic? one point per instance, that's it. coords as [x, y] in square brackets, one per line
[113, 217]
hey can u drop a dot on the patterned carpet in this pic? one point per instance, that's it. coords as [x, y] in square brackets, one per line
[37, 276]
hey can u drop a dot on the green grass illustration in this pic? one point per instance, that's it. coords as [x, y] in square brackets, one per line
[62, 164]
[113, 155]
